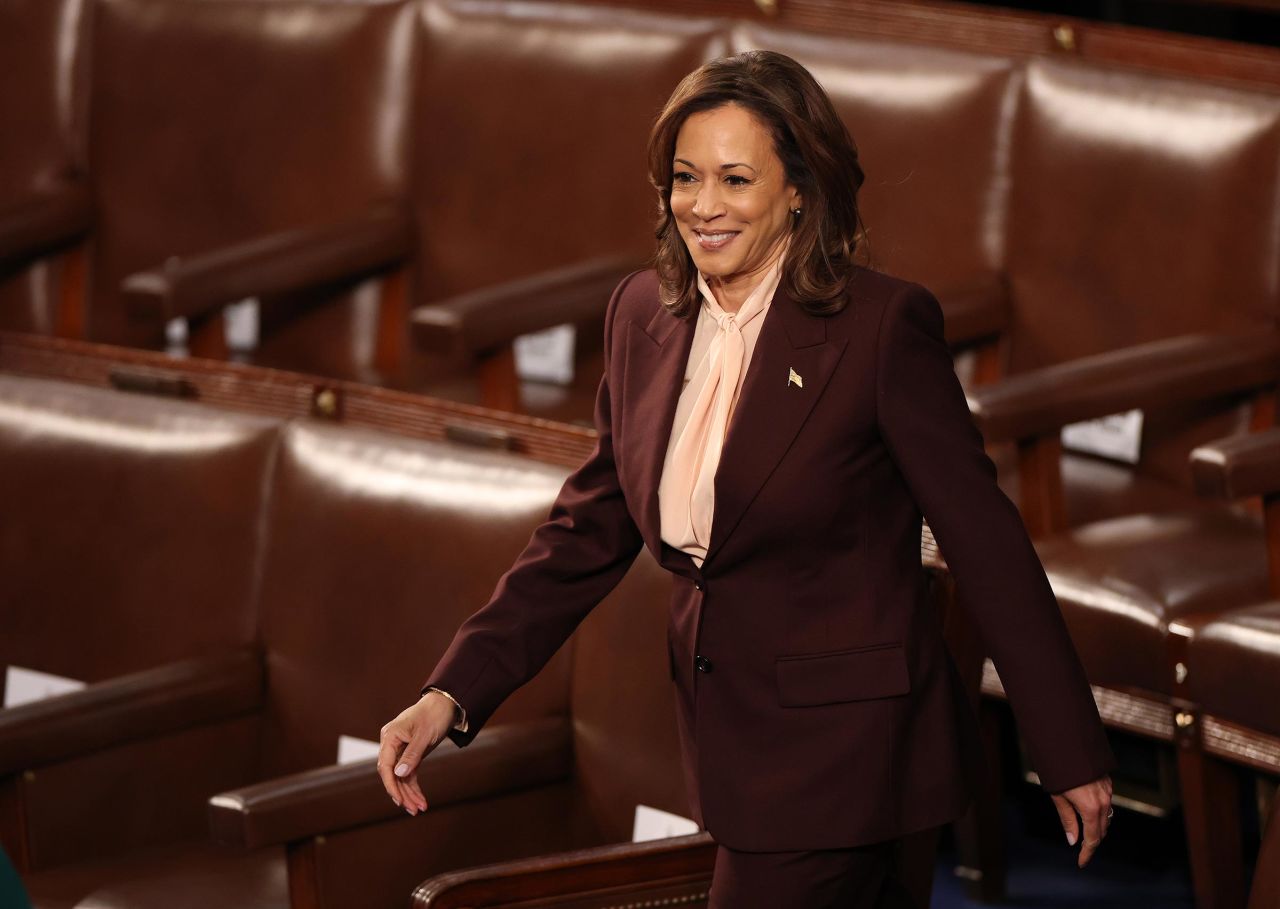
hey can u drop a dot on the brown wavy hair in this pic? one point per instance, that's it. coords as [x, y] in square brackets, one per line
[816, 151]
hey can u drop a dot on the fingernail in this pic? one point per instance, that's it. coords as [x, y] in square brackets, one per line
[402, 769]
[397, 801]
[1071, 839]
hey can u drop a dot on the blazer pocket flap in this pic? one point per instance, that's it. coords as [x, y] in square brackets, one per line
[845, 675]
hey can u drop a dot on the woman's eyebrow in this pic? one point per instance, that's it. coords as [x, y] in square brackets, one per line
[722, 166]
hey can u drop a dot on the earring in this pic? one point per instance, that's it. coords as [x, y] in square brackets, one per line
[795, 211]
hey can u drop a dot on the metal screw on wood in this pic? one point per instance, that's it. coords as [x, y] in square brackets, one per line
[1064, 36]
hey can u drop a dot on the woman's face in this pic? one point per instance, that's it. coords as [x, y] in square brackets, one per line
[729, 193]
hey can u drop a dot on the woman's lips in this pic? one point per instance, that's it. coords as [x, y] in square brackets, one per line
[717, 240]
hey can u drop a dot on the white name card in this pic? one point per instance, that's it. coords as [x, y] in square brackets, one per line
[176, 332]
[656, 824]
[352, 749]
[1117, 436]
[25, 686]
[240, 324]
[546, 356]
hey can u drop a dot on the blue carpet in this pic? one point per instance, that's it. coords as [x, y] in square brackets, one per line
[1142, 864]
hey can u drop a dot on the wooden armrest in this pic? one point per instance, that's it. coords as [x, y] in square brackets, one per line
[974, 312]
[291, 260]
[1238, 466]
[129, 708]
[484, 320]
[506, 758]
[1182, 369]
[43, 221]
[653, 873]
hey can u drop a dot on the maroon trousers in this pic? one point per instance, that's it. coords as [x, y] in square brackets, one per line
[862, 877]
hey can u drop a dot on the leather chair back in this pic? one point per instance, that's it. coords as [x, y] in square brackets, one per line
[42, 109]
[378, 548]
[216, 123]
[114, 506]
[1142, 207]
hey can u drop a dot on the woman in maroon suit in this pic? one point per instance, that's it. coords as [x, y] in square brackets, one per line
[774, 419]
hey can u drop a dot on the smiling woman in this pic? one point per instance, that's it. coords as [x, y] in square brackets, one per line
[732, 214]
[737, 156]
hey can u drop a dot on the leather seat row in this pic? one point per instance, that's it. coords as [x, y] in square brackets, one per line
[238, 592]
[1110, 227]
[372, 172]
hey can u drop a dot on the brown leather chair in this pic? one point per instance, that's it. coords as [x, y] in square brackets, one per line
[1225, 669]
[1105, 319]
[378, 548]
[114, 505]
[463, 236]
[43, 201]
[245, 149]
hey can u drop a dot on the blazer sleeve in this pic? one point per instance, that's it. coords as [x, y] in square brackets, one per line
[925, 421]
[571, 563]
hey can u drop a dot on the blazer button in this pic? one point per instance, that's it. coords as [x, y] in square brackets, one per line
[702, 664]
[697, 585]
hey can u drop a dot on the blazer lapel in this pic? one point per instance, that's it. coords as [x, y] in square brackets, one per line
[655, 367]
[771, 407]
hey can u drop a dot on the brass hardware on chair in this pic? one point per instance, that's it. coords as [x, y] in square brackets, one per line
[28, 776]
[1180, 673]
[1064, 36]
[1185, 719]
[480, 436]
[768, 7]
[325, 403]
[152, 383]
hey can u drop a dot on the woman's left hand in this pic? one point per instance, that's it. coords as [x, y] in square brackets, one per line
[1093, 803]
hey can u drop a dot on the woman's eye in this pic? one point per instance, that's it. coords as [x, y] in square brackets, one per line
[682, 177]
[737, 180]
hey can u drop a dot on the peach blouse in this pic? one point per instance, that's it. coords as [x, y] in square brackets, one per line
[722, 346]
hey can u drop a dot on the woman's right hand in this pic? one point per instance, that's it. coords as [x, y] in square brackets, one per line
[406, 740]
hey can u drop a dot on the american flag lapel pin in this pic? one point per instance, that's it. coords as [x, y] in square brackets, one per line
[793, 378]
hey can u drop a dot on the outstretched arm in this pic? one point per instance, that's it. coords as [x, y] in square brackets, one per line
[572, 561]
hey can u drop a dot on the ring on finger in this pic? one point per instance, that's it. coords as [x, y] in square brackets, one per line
[1110, 812]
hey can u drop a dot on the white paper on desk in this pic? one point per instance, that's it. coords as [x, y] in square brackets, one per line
[25, 686]
[176, 332]
[352, 749]
[240, 324]
[656, 824]
[546, 356]
[1117, 436]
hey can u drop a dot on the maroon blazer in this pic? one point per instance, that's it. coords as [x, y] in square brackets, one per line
[817, 703]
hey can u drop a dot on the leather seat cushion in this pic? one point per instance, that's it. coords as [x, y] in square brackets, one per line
[1121, 581]
[1233, 666]
[191, 875]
